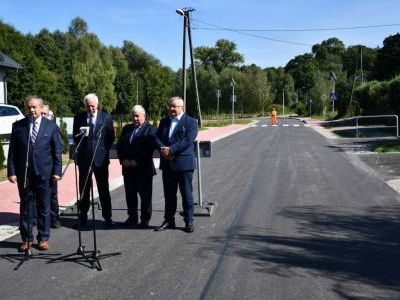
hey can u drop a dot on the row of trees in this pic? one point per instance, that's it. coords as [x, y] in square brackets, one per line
[62, 67]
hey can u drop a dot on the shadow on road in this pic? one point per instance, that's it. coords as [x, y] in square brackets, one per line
[353, 250]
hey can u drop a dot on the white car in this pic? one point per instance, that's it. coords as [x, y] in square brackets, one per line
[8, 115]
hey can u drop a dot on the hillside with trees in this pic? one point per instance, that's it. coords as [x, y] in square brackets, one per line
[62, 67]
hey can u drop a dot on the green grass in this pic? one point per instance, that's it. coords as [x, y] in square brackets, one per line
[386, 148]
[221, 123]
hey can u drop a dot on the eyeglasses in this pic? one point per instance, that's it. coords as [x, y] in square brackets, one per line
[174, 106]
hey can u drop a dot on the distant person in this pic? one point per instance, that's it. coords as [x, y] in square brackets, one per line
[54, 207]
[102, 133]
[35, 152]
[135, 151]
[175, 138]
[274, 116]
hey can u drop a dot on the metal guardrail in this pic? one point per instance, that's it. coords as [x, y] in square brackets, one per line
[357, 118]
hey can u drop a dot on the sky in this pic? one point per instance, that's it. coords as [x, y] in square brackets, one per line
[155, 26]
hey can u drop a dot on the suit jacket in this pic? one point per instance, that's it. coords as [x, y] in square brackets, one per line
[46, 153]
[103, 131]
[141, 149]
[181, 143]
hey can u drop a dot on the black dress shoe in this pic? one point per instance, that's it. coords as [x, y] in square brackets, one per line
[109, 223]
[129, 222]
[189, 227]
[166, 225]
[55, 224]
[144, 224]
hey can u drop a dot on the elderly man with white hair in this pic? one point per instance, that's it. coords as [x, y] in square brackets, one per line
[102, 135]
[135, 151]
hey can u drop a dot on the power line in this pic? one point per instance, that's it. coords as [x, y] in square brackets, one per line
[294, 30]
[253, 35]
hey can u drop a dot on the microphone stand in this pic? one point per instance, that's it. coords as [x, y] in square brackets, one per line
[94, 258]
[80, 252]
[27, 255]
[96, 254]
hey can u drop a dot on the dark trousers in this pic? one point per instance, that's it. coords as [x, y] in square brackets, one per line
[35, 197]
[101, 175]
[142, 185]
[54, 208]
[171, 181]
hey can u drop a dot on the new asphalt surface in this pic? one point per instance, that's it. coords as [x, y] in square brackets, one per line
[297, 217]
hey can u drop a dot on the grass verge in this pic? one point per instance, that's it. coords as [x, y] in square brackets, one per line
[386, 148]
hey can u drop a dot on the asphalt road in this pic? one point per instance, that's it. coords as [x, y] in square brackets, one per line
[297, 218]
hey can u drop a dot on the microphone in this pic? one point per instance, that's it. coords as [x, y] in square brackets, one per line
[84, 130]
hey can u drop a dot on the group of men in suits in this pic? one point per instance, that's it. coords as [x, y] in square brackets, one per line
[34, 163]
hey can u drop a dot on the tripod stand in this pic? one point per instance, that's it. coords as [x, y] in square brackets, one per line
[28, 197]
[91, 257]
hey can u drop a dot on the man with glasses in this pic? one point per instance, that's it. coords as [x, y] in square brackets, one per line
[175, 138]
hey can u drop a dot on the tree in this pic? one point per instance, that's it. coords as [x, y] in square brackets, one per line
[388, 58]
[78, 27]
[222, 56]
[92, 72]
[302, 68]
[158, 86]
[124, 82]
[329, 54]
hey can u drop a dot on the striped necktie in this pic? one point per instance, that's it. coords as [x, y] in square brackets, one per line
[34, 132]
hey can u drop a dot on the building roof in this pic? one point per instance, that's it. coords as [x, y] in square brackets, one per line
[7, 62]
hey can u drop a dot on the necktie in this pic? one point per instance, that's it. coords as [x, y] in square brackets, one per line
[91, 125]
[134, 133]
[34, 132]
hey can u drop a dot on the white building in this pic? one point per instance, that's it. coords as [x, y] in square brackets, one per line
[6, 65]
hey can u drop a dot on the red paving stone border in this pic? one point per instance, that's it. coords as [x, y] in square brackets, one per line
[9, 203]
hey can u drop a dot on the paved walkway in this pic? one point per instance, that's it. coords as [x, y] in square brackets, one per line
[9, 203]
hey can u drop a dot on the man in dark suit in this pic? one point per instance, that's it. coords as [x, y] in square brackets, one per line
[102, 134]
[175, 138]
[34, 162]
[135, 151]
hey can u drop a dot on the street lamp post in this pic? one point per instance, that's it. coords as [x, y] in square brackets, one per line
[333, 94]
[218, 96]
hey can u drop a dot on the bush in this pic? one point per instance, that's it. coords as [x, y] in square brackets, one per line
[64, 136]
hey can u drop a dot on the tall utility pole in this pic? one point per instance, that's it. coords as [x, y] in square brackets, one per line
[361, 64]
[185, 12]
[233, 83]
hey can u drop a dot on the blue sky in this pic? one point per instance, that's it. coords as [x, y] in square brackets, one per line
[154, 25]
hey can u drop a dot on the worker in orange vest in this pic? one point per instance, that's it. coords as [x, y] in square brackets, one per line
[274, 114]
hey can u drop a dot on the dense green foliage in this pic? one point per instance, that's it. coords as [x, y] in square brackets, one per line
[62, 67]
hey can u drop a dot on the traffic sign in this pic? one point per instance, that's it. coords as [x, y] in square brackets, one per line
[333, 96]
